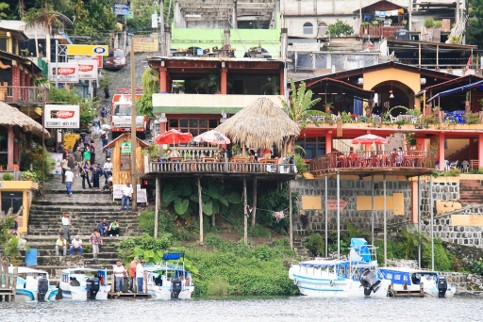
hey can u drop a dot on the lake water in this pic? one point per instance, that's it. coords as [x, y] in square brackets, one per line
[253, 309]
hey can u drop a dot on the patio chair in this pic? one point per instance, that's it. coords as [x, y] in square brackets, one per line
[465, 166]
[453, 165]
[446, 165]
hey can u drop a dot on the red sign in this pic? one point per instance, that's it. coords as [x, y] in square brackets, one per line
[86, 68]
[332, 204]
[99, 60]
[63, 114]
[66, 71]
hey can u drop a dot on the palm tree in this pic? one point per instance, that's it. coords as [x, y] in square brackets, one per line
[299, 109]
[42, 17]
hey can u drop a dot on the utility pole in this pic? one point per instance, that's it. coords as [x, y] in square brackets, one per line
[134, 184]
[161, 27]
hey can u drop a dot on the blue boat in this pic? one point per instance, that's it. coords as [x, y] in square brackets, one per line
[33, 285]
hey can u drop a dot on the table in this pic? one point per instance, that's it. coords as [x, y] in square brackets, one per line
[239, 159]
[206, 159]
[175, 159]
[271, 161]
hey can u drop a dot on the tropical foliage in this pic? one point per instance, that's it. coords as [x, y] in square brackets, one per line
[300, 109]
[340, 28]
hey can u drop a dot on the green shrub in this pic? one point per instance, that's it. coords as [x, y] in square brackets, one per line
[217, 287]
[429, 22]
[145, 246]
[455, 172]
[7, 177]
[477, 267]
[442, 261]
[259, 231]
[315, 244]
[340, 28]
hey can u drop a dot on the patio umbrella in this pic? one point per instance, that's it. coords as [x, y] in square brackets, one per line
[213, 137]
[173, 136]
[369, 139]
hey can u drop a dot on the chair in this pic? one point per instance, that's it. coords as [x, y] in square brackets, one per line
[465, 166]
[453, 165]
[446, 165]
[393, 119]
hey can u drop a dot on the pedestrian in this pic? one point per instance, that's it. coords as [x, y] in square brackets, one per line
[61, 243]
[69, 180]
[114, 228]
[119, 273]
[107, 169]
[63, 166]
[104, 137]
[95, 128]
[96, 174]
[87, 155]
[104, 227]
[132, 274]
[66, 225]
[76, 246]
[126, 195]
[140, 275]
[85, 175]
[96, 240]
[92, 148]
[78, 160]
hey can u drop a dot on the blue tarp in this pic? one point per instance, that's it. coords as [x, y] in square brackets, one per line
[478, 85]
[360, 246]
[172, 256]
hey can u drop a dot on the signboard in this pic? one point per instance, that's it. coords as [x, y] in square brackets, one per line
[130, 14]
[126, 148]
[117, 193]
[100, 61]
[88, 50]
[121, 9]
[57, 170]
[332, 204]
[63, 73]
[62, 116]
[86, 68]
[69, 140]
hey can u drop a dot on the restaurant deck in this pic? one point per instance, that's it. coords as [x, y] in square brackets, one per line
[266, 169]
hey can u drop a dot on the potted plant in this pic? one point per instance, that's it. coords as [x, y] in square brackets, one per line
[329, 106]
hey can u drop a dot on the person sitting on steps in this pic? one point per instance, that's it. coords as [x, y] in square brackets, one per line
[114, 228]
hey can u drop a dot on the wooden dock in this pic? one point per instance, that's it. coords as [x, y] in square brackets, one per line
[8, 282]
[117, 295]
[406, 292]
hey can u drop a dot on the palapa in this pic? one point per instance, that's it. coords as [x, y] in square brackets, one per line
[10, 115]
[261, 124]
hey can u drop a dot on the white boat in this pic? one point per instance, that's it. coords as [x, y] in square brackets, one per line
[169, 280]
[356, 277]
[417, 282]
[33, 285]
[81, 284]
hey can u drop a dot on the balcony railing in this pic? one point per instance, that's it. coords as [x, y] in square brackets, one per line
[192, 167]
[379, 31]
[23, 94]
[360, 161]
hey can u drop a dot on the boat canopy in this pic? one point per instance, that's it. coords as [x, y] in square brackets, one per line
[172, 256]
[359, 245]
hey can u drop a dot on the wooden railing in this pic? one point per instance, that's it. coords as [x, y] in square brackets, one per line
[221, 167]
[379, 31]
[23, 94]
[332, 161]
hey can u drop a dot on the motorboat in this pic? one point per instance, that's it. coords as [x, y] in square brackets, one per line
[81, 284]
[357, 276]
[33, 285]
[405, 281]
[169, 279]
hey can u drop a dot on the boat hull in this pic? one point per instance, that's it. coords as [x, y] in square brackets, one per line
[24, 295]
[164, 293]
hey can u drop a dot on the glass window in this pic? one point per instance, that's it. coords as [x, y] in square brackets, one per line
[11, 199]
[314, 147]
[308, 28]
[193, 125]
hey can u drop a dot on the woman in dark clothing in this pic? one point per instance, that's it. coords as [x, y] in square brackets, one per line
[85, 175]
[96, 173]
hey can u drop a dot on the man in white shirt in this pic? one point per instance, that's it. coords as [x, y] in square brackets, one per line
[107, 169]
[126, 195]
[69, 179]
[119, 273]
[140, 275]
[66, 225]
[76, 245]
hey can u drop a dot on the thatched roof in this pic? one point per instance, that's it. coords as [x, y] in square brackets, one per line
[10, 115]
[260, 124]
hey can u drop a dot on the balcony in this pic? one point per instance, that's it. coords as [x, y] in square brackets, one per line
[379, 31]
[364, 163]
[34, 95]
[238, 167]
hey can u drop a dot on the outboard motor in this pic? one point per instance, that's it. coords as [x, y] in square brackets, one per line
[93, 286]
[43, 288]
[175, 288]
[369, 282]
[442, 286]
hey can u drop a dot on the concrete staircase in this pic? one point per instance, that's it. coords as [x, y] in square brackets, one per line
[471, 191]
[87, 208]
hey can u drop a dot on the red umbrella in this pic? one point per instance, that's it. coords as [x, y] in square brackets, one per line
[369, 139]
[173, 137]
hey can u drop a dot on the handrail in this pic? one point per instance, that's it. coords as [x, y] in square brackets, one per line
[220, 167]
[31, 94]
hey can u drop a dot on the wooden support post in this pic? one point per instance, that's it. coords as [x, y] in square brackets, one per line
[290, 221]
[157, 206]
[245, 212]
[200, 206]
[254, 211]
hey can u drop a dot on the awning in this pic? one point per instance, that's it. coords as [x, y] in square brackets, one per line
[464, 88]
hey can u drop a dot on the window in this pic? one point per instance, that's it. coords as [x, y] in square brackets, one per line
[11, 199]
[314, 147]
[308, 28]
[193, 125]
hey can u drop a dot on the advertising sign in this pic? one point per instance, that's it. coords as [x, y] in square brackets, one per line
[86, 68]
[126, 148]
[87, 50]
[57, 170]
[121, 9]
[63, 73]
[62, 116]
